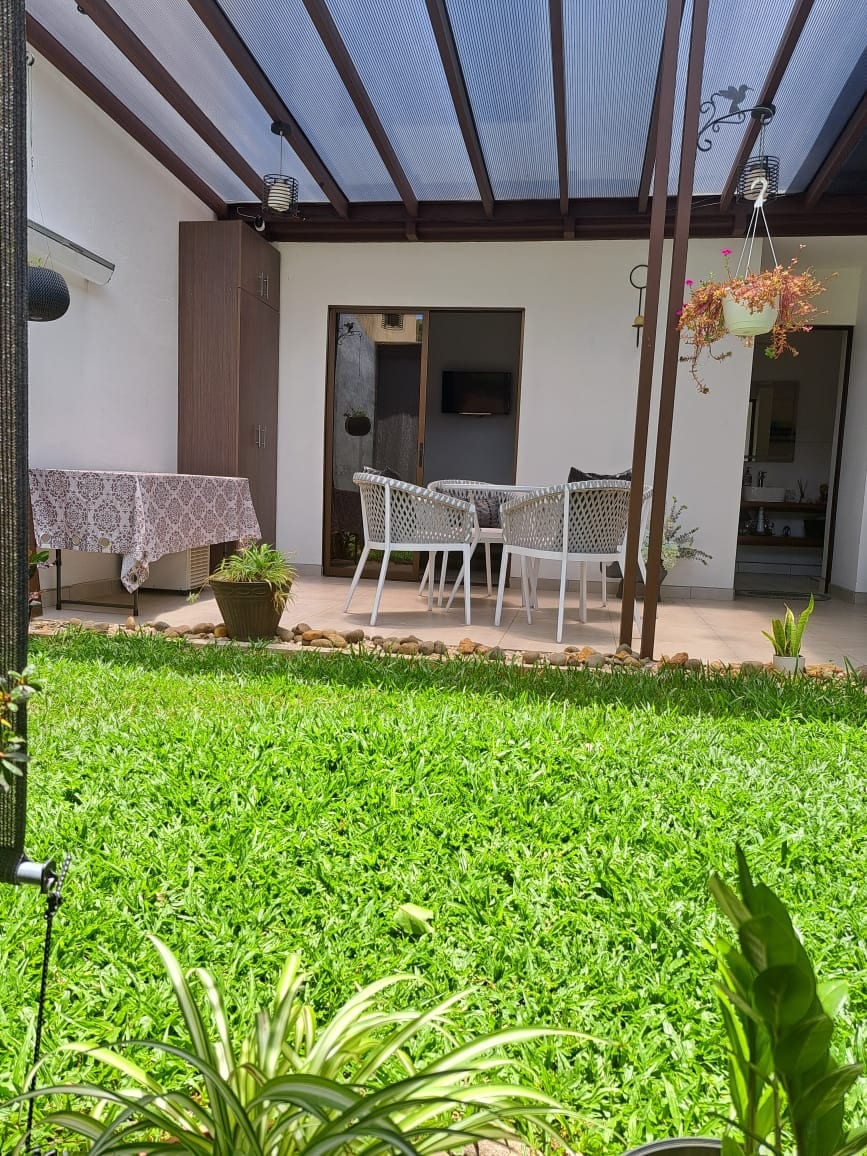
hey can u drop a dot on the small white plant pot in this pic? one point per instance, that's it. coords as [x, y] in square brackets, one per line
[743, 323]
[788, 665]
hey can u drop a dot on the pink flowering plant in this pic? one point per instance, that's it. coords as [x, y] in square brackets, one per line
[701, 322]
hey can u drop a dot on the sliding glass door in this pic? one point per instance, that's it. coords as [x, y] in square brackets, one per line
[374, 418]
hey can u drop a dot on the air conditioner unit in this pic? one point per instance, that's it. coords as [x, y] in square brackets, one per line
[185, 570]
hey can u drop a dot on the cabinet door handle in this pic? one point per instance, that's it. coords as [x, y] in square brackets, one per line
[264, 430]
[265, 291]
[257, 435]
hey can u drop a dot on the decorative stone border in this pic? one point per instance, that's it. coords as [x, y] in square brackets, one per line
[411, 646]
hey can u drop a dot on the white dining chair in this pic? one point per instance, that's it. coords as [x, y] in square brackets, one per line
[583, 522]
[400, 516]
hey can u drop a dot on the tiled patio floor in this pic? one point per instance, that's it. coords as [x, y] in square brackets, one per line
[727, 631]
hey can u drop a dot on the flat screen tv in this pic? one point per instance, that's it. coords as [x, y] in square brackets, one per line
[479, 392]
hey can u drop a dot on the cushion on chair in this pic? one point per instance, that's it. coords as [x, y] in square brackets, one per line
[576, 475]
[487, 510]
[385, 472]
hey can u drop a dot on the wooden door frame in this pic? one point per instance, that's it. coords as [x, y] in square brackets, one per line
[331, 365]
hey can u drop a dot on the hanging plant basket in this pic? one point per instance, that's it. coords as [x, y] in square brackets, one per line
[357, 425]
[742, 321]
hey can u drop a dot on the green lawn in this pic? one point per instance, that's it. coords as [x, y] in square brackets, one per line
[561, 826]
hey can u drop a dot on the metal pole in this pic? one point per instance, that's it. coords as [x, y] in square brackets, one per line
[667, 78]
[13, 399]
[683, 214]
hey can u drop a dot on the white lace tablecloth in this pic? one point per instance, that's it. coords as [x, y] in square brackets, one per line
[141, 516]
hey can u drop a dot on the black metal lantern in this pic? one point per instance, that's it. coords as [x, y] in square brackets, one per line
[47, 294]
[756, 170]
[280, 194]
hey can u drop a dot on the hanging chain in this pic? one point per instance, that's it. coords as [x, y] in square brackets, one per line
[52, 902]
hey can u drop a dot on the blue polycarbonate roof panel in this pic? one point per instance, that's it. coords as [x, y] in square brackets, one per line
[182, 44]
[393, 47]
[98, 55]
[825, 80]
[742, 40]
[287, 46]
[504, 47]
[612, 59]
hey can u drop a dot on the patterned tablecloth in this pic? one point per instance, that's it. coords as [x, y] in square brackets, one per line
[141, 516]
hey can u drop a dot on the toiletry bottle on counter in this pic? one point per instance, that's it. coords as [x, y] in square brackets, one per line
[748, 476]
[760, 521]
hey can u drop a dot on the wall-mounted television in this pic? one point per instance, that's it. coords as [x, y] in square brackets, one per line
[477, 392]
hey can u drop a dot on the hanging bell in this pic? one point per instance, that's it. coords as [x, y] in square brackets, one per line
[47, 294]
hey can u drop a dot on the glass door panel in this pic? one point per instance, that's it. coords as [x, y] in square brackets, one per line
[376, 411]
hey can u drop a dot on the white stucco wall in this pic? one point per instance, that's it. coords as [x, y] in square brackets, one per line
[103, 378]
[579, 371]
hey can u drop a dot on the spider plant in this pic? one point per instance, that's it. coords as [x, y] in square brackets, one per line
[290, 1086]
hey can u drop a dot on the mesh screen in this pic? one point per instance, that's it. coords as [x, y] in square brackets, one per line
[13, 398]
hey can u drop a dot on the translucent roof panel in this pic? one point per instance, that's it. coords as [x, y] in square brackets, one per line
[504, 47]
[182, 44]
[742, 40]
[825, 80]
[612, 59]
[283, 39]
[393, 48]
[96, 52]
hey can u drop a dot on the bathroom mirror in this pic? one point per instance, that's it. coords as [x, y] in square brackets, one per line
[771, 421]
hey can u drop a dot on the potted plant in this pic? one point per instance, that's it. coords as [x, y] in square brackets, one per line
[252, 587]
[778, 301]
[785, 637]
[356, 423]
[677, 542]
[291, 1086]
[787, 1090]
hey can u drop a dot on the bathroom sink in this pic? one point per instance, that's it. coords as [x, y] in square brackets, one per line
[763, 493]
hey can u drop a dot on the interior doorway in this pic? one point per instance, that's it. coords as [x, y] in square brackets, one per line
[794, 436]
[419, 395]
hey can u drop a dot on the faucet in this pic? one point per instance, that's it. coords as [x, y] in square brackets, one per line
[762, 477]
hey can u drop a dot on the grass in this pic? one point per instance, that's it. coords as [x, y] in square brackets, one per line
[561, 827]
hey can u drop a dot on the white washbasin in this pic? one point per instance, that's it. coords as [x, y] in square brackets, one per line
[763, 493]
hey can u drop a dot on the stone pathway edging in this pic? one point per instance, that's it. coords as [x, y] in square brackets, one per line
[292, 640]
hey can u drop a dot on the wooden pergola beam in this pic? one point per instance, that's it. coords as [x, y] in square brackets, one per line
[788, 43]
[63, 60]
[445, 38]
[844, 145]
[558, 65]
[324, 24]
[139, 55]
[248, 68]
[648, 164]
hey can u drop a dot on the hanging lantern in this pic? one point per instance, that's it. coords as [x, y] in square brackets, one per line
[281, 194]
[756, 170]
[47, 294]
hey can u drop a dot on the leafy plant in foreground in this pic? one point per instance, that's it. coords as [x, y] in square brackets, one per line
[786, 634]
[290, 1086]
[14, 691]
[779, 1022]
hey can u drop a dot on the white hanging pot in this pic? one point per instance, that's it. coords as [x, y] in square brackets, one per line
[789, 665]
[742, 322]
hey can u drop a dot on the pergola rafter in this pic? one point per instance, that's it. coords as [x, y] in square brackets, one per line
[558, 66]
[323, 21]
[248, 68]
[843, 146]
[139, 55]
[93, 88]
[788, 44]
[448, 51]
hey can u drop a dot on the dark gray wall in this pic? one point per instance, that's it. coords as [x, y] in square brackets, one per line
[457, 445]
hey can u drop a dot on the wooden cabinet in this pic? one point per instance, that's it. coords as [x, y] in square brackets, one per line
[228, 340]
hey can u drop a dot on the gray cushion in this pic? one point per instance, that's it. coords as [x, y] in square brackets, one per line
[576, 475]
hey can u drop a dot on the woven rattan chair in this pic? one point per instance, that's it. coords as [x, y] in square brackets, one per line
[582, 522]
[399, 516]
[487, 496]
